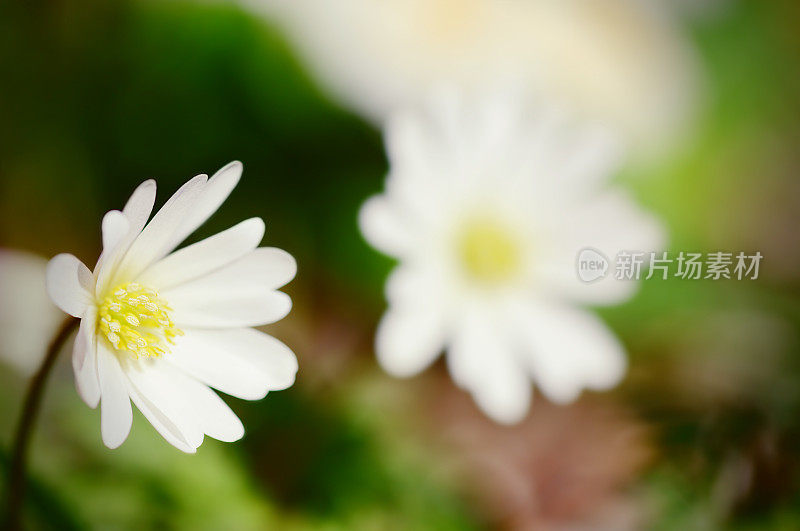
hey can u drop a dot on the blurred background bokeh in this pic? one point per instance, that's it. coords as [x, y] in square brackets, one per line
[704, 432]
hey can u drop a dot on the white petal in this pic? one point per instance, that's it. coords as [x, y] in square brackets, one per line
[120, 231]
[412, 332]
[483, 362]
[28, 318]
[117, 237]
[115, 407]
[140, 205]
[505, 391]
[409, 338]
[115, 227]
[156, 240]
[495, 122]
[269, 267]
[266, 267]
[205, 256]
[410, 146]
[464, 361]
[200, 305]
[590, 160]
[414, 284]
[214, 194]
[416, 184]
[244, 363]
[84, 360]
[611, 222]
[271, 357]
[568, 349]
[383, 227]
[155, 394]
[69, 284]
[563, 163]
[211, 413]
[162, 424]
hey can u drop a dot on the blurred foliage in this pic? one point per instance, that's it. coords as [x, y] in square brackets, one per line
[719, 360]
[97, 96]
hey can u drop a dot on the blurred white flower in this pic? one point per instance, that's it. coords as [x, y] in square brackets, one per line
[159, 328]
[28, 319]
[621, 62]
[486, 208]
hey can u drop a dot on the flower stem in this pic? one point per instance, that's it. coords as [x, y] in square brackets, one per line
[16, 477]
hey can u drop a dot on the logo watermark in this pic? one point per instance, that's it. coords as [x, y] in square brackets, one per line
[592, 265]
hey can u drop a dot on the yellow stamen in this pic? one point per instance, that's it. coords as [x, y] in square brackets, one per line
[489, 252]
[135, 320]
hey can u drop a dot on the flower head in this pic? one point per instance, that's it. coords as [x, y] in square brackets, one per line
[619, 61]
[27, 317]
[486, 208]
[159, 326]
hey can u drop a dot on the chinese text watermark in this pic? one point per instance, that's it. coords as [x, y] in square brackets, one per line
[593, 265]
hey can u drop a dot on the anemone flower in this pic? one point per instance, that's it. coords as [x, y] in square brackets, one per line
[623, 62]
[159, 327]
[486, 208]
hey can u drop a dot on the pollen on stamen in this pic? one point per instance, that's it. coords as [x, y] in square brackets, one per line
[135, 320]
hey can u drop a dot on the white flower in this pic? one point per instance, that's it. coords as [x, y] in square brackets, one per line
[622, 62]
[486, 209]
[159, 327]
[28, 319]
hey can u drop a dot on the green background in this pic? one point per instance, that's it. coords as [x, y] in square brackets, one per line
[704, 432]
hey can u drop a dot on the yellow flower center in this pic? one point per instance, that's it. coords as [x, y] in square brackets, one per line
[451, 21]
[489, 251]
[135, 320]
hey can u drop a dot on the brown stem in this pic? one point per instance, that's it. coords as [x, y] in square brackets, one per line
[30, 409]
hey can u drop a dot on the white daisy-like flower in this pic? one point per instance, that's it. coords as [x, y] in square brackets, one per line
[486, 208]
[623, 62]
[159, 327]
[27, 317]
